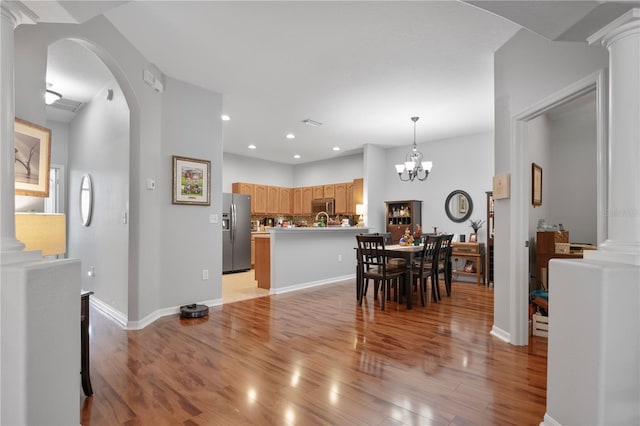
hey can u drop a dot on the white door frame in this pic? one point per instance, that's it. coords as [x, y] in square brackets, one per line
[521, 184]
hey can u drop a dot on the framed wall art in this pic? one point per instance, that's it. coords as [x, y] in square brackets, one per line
[191, 181]
[32, 148]
[536, 185]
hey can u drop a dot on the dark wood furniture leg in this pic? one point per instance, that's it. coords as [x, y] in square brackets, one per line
[84, 343]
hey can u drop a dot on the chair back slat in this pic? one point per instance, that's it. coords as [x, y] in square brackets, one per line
[371, 251]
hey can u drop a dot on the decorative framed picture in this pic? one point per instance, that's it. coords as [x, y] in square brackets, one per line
[469, 266]
[536, 185]
[473, 238]
[191, 181]
[32, 147]
[462, 204]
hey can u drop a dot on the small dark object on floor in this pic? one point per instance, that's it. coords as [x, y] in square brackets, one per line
[194, 311]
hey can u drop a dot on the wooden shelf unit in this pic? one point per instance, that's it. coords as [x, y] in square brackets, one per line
[401, 215]
[473, 252]
[490, 230]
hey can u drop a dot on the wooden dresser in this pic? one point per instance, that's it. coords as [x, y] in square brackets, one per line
[474, 253]
[547, 249]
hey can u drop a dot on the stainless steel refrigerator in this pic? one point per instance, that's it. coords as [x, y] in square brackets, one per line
[236, 233]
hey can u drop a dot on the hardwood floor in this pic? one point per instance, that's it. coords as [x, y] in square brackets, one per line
[315, 357]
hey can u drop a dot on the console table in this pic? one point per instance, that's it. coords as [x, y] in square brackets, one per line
[473, 252]
[84, 342]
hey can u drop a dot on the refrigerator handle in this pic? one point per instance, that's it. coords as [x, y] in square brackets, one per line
[233, 221]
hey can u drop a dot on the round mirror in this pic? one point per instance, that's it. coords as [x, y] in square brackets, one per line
[458, 206]
[86, 199]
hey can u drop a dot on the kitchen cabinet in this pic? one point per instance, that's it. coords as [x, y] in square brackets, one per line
[355, 196]
[259, 204]
[401, 215]
[297, 201]
[341, 206]
[242, 188]
[285, 201]
[273, 200]
[329, 191]
[318, 192]
[263, 261]
[307, 197]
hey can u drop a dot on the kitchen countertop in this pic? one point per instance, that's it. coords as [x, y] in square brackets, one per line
[319, 229]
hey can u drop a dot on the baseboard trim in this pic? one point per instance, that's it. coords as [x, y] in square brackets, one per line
[500, 334]
[109, 311]
[139, 325]
[311, 284]
[549, 421]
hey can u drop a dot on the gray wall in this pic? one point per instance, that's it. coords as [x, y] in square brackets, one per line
[99, 146]
[190, 243]
[149, 292]
[528, 68]
[238, 168]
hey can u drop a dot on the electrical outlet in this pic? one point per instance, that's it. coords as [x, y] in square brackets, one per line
[205, 274]
[339, 258]
[92, 271]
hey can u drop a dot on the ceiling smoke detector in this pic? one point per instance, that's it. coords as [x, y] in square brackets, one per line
[310, 122]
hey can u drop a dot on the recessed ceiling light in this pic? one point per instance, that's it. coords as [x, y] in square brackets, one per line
[252, 146]
[225, 117]
[297, 156]
[336, 148]
[290, 136]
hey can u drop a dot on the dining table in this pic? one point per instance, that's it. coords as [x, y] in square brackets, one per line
[409, 253]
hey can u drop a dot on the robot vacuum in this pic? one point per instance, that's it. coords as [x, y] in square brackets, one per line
[194, 311]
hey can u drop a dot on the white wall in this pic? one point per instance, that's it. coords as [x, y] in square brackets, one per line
[238, 168]
[189, 243]
[334, 170]
[528, 68]
[572, 173]
[147, 219]
[99, 146]
[464, 162]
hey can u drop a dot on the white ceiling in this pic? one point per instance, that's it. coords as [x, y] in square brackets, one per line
[361, 68]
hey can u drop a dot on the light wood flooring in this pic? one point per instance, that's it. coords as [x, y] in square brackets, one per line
[314, 357]
[241, 286]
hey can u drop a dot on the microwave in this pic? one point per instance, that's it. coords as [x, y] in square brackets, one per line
[318, 206]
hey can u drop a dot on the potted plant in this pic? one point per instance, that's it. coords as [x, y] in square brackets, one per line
[476, 225]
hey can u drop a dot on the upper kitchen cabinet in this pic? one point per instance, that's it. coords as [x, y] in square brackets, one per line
[302, 198]
[318, 192]
[329, 191]
[273, 200]
[259, 204]
[341, 205]
[285, 201]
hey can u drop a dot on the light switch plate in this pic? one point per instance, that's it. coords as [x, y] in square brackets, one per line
[213, 218]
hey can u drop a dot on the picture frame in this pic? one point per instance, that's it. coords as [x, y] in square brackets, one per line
[473, 237]
[32, 149]
[469, 266]
[536, 185]
[191, 181]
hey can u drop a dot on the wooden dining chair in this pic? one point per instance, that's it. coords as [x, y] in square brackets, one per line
[426, 268]
[444, 262]
[373, 265]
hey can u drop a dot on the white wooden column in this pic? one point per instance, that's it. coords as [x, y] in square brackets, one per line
[12, 15]
[622, 39]
[593, 358]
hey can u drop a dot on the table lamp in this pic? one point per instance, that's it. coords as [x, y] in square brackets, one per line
[360, 212]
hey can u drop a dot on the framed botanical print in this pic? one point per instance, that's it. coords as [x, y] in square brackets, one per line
[191, 181]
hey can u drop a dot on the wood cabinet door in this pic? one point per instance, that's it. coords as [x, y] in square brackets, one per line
[318, 192]
[307, 197]
[351, 205]
[242, 188]
[297, 200]
[273, 200]
[259, 205]
[329, 191]
[341, 198]
[285, 201]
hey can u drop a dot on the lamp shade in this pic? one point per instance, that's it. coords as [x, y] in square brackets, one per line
[45, 232]
[360, 209]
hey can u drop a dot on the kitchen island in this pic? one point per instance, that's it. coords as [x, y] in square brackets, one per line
[308, 257]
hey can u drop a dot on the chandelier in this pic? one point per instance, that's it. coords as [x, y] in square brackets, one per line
[413, 164]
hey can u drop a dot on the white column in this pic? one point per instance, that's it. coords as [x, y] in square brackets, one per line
[12, 15]
[622, 39]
